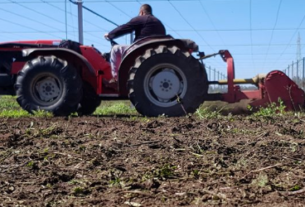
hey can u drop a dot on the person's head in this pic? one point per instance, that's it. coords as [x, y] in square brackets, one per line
[145, 9]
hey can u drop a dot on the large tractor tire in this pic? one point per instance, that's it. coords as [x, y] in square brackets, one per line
[167, 81]
[49, 84]
[90, 100]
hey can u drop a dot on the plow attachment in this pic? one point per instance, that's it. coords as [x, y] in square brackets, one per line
[272, 87]
[277, 85]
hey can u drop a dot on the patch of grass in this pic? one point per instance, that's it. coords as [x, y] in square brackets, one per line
[10, 108]
[14, 113]
[295, 188]
[45, 151]
[115, 108]
[165, 172]
[274, 109]
[8, 102]
[44, 114]
[206, 113]
[30, 164]
[115, 182]
[47, 131]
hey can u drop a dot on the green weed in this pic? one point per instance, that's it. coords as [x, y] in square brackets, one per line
[165, 172]
[205, 113]
[30, 164]
[42, 113]
[8, 102]
[80, 191]
[261, 180]
[295, 188]
[10, 113]
[274, 109]
[196, 173]
[115, 182]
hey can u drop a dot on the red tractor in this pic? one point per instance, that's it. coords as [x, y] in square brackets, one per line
[158, 74]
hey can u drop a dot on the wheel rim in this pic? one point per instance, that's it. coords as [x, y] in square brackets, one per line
[164, 84]
[46, 89]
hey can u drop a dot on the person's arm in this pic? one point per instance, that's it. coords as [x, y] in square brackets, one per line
[129, 27]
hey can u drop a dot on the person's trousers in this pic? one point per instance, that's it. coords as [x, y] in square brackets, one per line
[116, 54]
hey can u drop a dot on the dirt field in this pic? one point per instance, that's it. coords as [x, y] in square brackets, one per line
[136, 161]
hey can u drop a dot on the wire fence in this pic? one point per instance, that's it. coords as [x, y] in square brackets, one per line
[296, 71]
[215, 75]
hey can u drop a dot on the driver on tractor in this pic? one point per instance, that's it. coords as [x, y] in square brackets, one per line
[143, 25]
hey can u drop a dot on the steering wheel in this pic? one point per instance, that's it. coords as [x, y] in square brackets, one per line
[112, 42]
[106, 55]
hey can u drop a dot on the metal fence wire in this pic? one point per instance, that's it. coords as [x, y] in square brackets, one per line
[296, 71]
[215, 75]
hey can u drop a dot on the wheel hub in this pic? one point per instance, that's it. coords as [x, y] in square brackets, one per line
[166, 85]
[47, 89]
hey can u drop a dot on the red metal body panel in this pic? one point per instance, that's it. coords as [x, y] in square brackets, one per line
[16, 67]
[100, 65]
[238, 95]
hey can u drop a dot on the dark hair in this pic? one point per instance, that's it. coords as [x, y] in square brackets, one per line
[146, 8]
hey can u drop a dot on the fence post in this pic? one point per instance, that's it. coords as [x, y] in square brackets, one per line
[292, 69]
[222, 77]
[297, 76]
[218, 80]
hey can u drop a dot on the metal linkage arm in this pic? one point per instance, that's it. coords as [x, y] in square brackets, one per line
[208, 56]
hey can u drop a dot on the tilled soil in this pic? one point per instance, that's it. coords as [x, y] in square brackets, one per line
[136, 161]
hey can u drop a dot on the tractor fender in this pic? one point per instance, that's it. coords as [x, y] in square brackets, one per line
[138, 48]
[69, 55]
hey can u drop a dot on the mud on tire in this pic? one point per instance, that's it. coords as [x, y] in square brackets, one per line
[167, 81]
[50, 84]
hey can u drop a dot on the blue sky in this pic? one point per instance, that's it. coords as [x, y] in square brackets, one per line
[261, 34]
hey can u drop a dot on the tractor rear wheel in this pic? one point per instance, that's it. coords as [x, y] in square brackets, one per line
[90, 100]
[49, 84]
[167, 81]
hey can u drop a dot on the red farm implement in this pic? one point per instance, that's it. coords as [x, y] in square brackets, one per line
[270, 88]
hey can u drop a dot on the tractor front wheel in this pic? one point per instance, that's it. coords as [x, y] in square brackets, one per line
[49, 84]
[167, 81]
